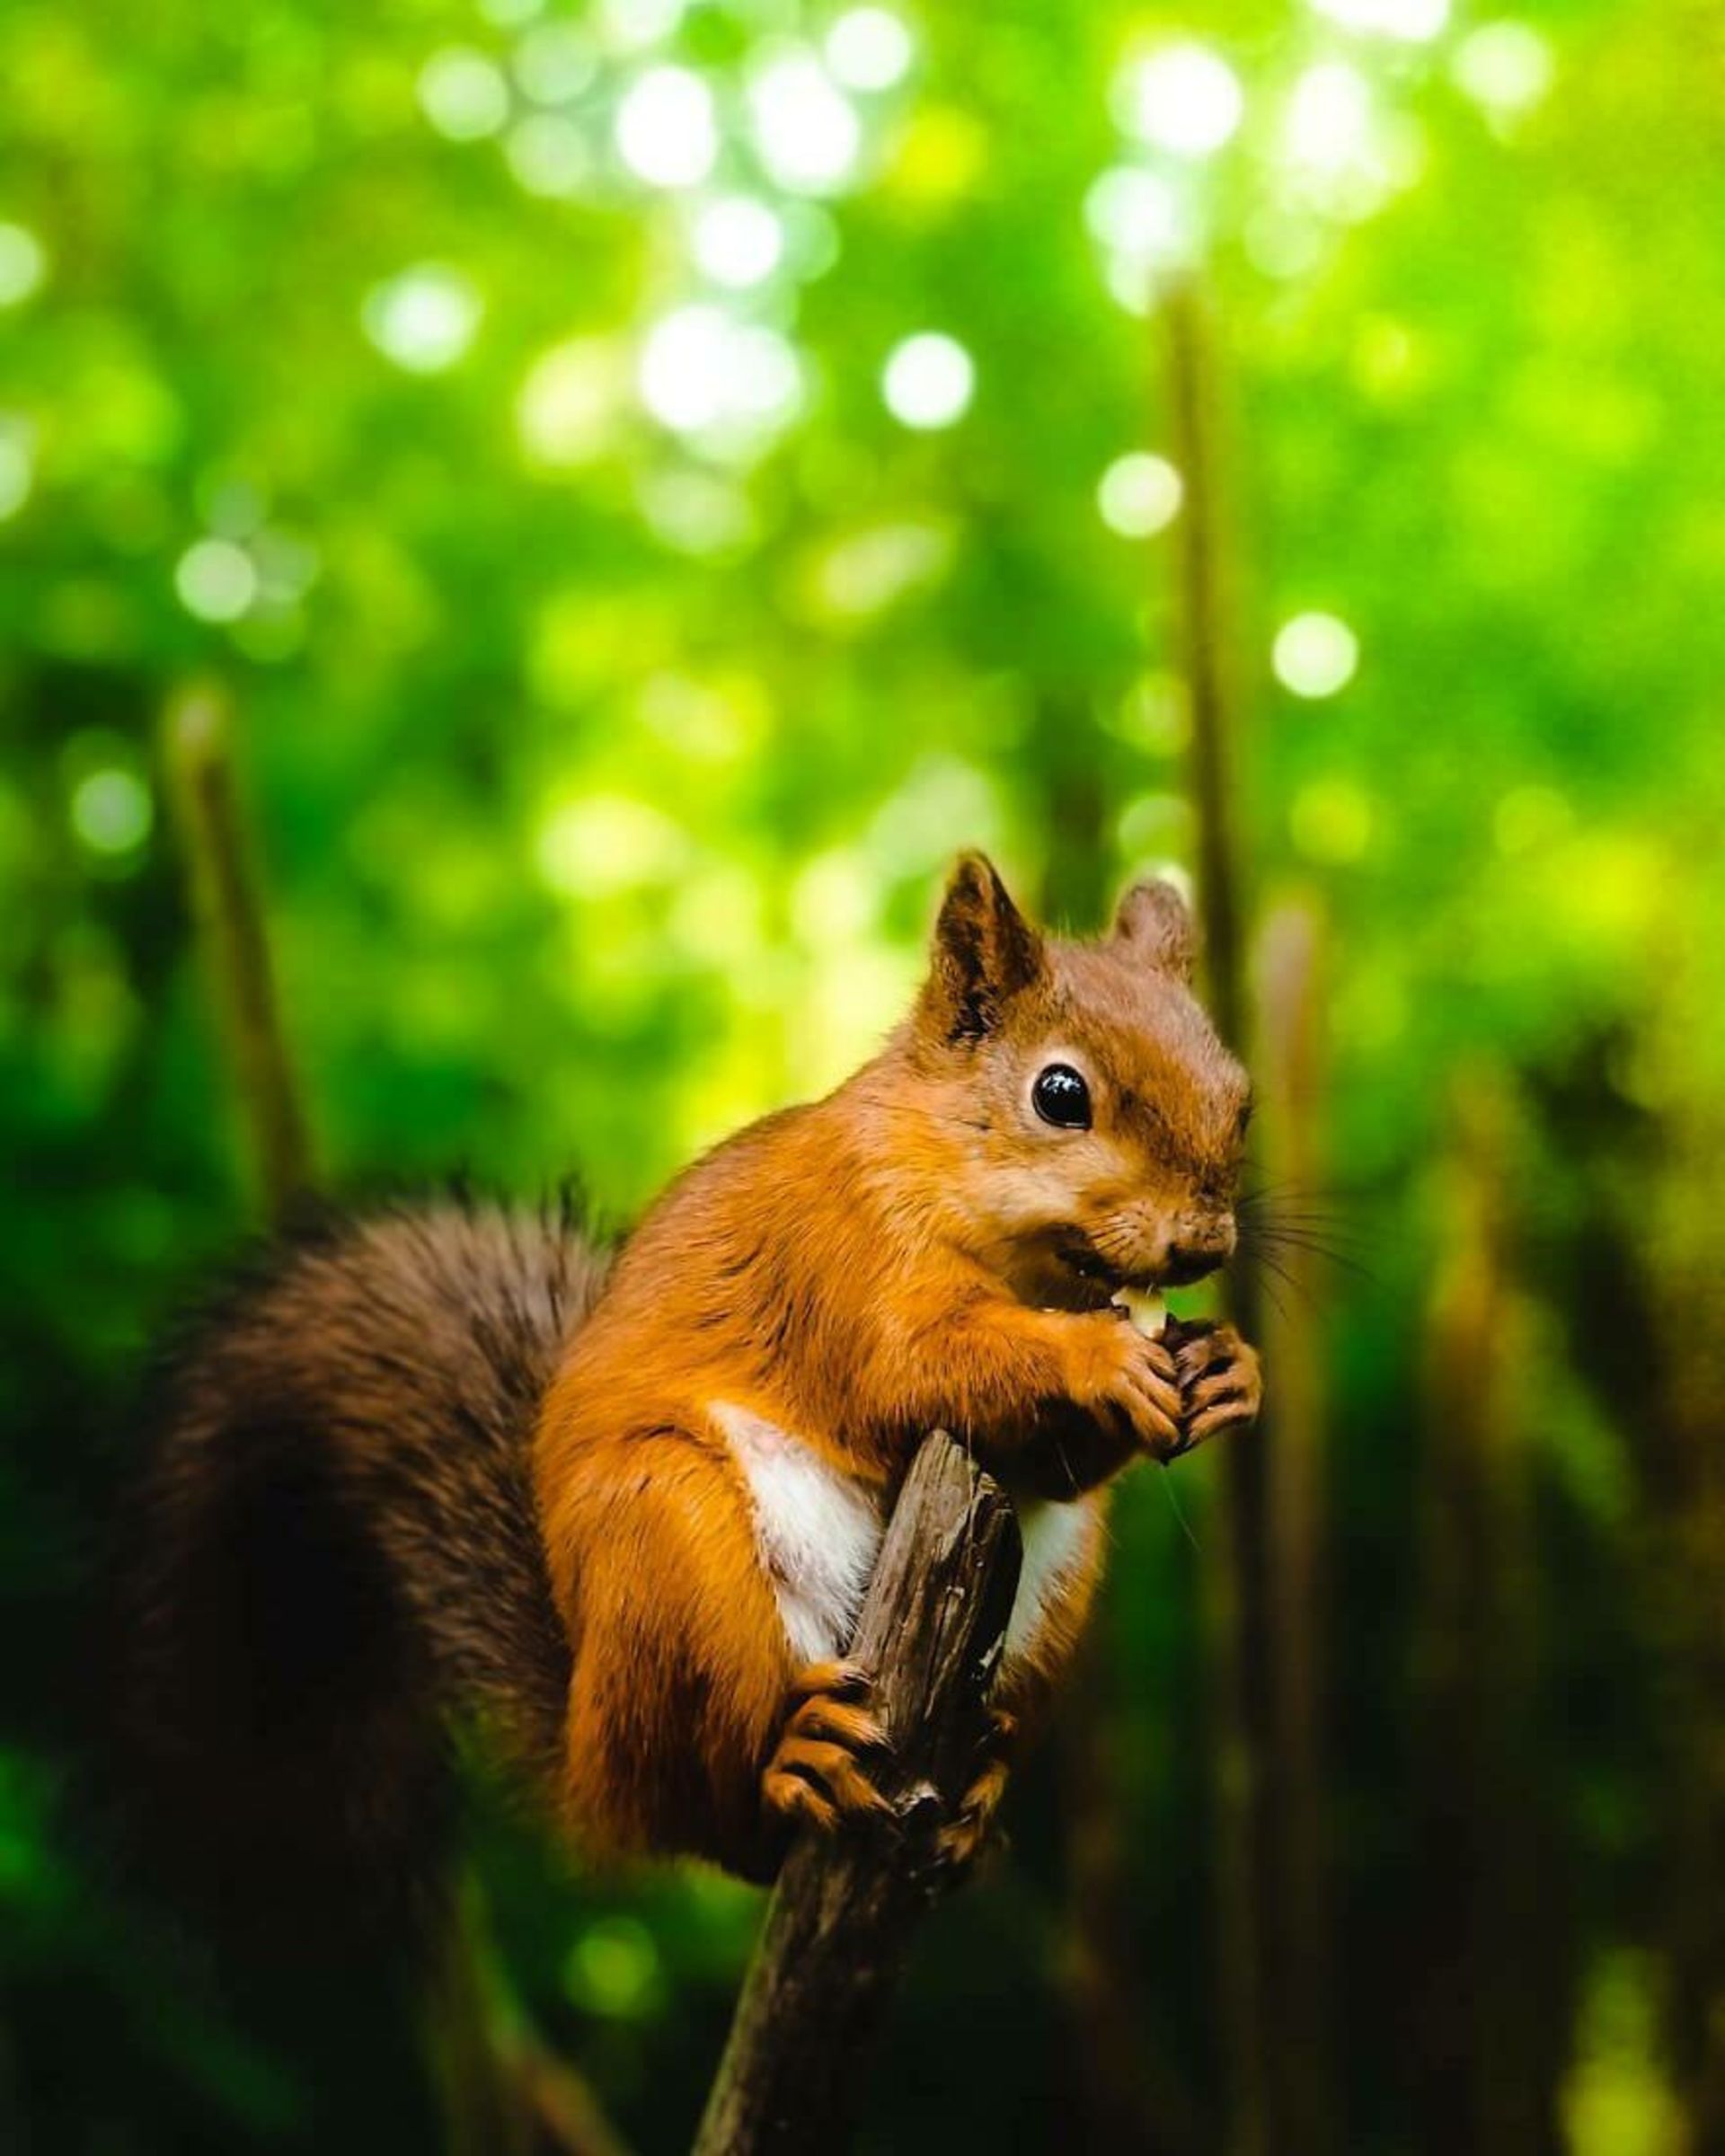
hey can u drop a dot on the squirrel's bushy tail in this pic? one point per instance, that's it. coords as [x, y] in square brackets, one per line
[333, 1559]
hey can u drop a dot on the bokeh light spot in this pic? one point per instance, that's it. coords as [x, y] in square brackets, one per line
[806, 130]
[112, 811]
[928, 381]
[1139, 495]
[701, 368]
[1506, 67]
[1137, 216]
[425, 319]
[566, 411]
[464, 95]
[869, 48]
[681, 362]
[613, 1967]
[1184, 99]
[554, 62]
[1316, 655]
[738, 240]
[1329, 118]
[667, 131]
[1154, 823]
[217, 580]
[766, 375]
[548, 155]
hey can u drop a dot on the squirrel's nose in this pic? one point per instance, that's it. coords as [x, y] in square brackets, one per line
[1198, 1249]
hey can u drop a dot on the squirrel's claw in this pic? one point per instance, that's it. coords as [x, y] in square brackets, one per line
[1221, 1383]
[816, 1773]
[840, 1680]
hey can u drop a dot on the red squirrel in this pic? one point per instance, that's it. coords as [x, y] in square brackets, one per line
[622, 1514]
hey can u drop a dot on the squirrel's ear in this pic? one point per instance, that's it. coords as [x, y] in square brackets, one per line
[984, 952]
[1155, 920]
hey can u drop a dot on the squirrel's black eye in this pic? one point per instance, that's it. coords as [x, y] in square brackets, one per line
[1061, 1097]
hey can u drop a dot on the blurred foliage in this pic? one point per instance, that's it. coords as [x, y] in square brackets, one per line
[515, 409]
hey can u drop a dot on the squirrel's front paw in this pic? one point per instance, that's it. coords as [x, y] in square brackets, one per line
[819, 1772]
[972, 1825]
[1221, 1382]
[1126, 1379]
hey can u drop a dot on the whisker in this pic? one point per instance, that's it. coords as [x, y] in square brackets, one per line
[1321, 1193]
[1288, 1201]
[1286, 1253]
[1290, 1217]
[1345, 1261]
[1280, 1209]
[1307, 1216]
[1334, 1223]
[1175, 1501]
[1303, 1289]
[1277, 1303]
[1278, 1230]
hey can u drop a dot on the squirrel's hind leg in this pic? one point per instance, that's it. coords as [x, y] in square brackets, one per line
[680, 1662]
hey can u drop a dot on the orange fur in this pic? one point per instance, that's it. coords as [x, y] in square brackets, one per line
[919, 1249]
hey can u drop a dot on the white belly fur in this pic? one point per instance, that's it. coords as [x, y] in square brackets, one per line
[819, 1533]
[817, 1530]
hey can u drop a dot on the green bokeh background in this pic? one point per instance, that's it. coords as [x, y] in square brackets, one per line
[603, 770]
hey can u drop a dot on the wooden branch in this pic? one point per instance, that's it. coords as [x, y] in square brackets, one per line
[840, 1920]
[228, 912]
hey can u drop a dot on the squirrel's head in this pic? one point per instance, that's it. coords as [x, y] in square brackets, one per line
[1095, 1119]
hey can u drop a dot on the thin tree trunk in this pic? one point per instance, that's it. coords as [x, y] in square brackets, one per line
[1238, 1582]
[1479, 1983]
[233, 941]
[840, 1921]
[1292, 1085]
[1067, 750]
[1682, 1460]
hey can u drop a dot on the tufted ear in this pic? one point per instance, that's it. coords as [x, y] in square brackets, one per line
[1157, 923]
[984, 952]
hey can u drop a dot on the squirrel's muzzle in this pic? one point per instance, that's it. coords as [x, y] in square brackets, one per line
[1198, 1248]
